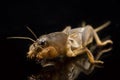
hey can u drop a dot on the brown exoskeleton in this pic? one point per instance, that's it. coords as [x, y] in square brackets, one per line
[69, 42]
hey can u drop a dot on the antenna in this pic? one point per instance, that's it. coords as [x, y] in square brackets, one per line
[21, 38]
[32, 32]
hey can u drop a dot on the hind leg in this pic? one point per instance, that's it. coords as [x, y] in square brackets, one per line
[88, 34]
[97, 39]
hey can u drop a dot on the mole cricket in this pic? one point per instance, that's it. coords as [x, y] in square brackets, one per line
[69, 42]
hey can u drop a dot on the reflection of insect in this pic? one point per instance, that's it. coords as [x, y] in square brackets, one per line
[69, 42]
[69, 68]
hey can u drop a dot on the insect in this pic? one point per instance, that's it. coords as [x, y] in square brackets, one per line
[69, 42]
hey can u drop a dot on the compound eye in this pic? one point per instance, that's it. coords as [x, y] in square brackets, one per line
[43, 43]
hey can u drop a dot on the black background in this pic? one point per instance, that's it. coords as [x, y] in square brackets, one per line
[45, 17]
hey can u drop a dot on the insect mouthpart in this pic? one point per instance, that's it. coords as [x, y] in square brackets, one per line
[34, 49]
